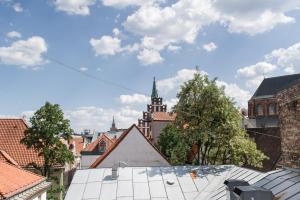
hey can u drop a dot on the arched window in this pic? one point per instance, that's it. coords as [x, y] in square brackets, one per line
[102, 146]
[272, 109]
[259, 110]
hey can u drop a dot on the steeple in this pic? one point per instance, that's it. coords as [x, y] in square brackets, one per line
[154, 90]
[113, 125]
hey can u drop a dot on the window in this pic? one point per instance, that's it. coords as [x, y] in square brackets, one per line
[259, 110]
[272, 109]
[102, 146]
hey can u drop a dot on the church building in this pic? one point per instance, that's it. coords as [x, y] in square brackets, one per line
[156, 117]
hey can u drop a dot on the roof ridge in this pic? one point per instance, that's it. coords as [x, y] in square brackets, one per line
[119, 140]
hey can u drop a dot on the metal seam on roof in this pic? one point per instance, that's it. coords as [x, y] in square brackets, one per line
[148, 182]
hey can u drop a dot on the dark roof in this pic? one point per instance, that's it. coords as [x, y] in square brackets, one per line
[270, 86]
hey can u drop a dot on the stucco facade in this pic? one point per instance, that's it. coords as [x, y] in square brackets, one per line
[135, 150]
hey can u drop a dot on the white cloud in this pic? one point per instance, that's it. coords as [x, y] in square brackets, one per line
[116, 32]
[13, 34]
[166, 85]
[74, 7]
[170, 103]
[254, 82]
[134, 99]
[24, 53]
[174, 48]
[260, 68]
[239, 95]
[149, 57]
[106, 45]
[209, 47]
[125, 3]
[83, 69]
[17, 7]
[288, 59]
[100, 119]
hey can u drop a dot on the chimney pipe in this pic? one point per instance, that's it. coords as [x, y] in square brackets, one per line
[114, 170]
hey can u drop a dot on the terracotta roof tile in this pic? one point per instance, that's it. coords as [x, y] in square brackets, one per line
[79, 143]
[11, 133]
[93, 145]
[14, 180]
[163, 116]
[7, 158]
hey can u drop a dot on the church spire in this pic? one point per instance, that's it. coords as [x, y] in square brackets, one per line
[154, 90]
[113, 125]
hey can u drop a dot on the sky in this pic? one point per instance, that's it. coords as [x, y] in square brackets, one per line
[97, 58]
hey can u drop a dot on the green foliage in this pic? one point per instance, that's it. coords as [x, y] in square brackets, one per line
[48, 126]
[172, 144]
[207, 119]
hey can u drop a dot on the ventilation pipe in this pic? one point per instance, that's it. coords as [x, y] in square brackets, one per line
[231, 184]
[252, 193]
[114, 174]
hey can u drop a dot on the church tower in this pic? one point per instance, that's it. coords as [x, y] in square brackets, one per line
[113, 125]
[156, 106]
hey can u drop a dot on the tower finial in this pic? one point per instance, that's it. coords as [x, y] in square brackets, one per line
[154, 90]
[113, 125]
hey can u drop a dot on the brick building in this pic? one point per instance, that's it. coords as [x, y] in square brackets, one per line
[274, 121]
[289, 120]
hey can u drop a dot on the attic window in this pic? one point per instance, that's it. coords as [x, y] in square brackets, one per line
[102, 146]
[259, 110]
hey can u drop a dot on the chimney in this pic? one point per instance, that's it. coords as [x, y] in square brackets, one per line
[231, 184]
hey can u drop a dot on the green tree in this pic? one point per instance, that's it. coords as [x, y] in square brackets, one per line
[48, 126]
[208, 120]
[173, 145]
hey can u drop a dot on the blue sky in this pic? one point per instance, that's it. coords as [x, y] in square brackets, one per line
[128, 42]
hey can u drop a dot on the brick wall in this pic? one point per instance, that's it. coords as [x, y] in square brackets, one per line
[268, 141]
[289, 120]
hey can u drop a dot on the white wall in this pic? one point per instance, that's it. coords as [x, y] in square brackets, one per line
[135, 150]
[87, 160]
[43, 196]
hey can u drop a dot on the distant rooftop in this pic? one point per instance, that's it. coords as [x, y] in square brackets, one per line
[152, 183]
[270, 86]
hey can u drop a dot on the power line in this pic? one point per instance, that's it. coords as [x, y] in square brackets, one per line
[67, 66]
[72, 68]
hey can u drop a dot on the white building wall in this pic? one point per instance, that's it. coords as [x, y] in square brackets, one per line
[42, 196]
[87, 160]
[135, 150]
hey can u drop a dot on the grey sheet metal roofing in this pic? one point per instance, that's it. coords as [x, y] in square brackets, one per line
[151, 183]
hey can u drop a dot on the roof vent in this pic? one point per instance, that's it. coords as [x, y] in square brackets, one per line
[170, 182]
[252, 193]
[231, 184]
[114, 174]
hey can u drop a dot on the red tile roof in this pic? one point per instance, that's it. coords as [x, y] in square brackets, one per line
[11, 133]
[79, 143]
[6, 158]
[119, 140]
[93, 145]
[14, 180]
[163, 116]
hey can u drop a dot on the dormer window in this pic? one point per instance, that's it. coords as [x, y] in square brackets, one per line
[102, 147]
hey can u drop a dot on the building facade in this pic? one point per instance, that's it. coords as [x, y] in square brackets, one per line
[289, 120]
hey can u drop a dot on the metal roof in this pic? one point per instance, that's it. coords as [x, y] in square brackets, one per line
[152, 183]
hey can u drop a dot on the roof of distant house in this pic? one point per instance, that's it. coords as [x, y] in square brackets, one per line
[93, 145]
[270, 86]
[163, 116]
[177, 182]
[78, 142]
[118, 141]
[15, 180]
[11, 133]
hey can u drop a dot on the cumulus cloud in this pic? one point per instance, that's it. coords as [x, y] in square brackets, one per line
[149, 56]
[239, 95]
[24, 53]
[134, 99]
[74, 7]
[257, 69]
[288, 59]
[125, 3]
[209, 47]
[173, 83]
[95, 118]
[13, 34]
[174, 48]
[106, 45]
